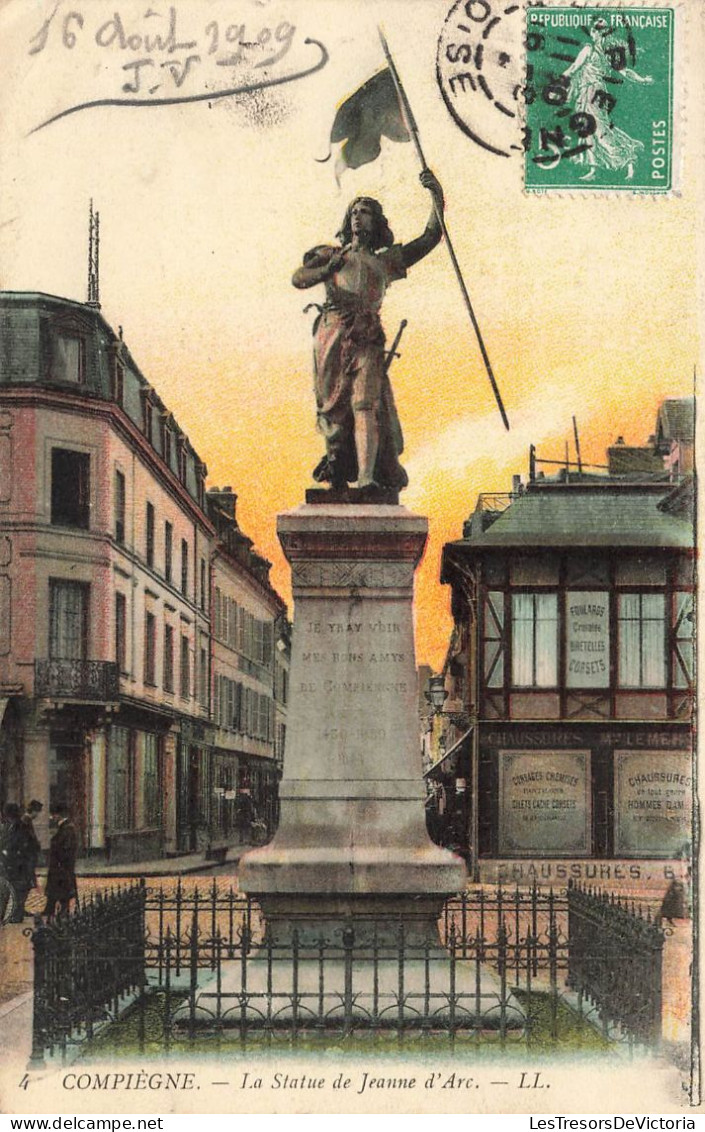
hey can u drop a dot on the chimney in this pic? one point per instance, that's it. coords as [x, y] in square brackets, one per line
[516, 485]
[225, 499]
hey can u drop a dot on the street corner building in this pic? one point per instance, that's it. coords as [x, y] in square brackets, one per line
[143, 650]
[567, 750]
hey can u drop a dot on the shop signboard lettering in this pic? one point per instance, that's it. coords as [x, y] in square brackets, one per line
[653, 803]
[587, 640]
[544, 803]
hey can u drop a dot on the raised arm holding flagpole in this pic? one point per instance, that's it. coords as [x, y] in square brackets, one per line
[380, 108]
[414, 132]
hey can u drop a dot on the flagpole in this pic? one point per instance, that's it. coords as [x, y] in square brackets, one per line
[414, 131]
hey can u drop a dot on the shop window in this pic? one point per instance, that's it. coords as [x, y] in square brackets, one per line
[641, 645]
[119, 507]
[494, 639]
[68, 620]
[70, 488]
[120, 780]
[121, 632]
[151, 786]
[683, 640]
[534, 640]
[66, 778]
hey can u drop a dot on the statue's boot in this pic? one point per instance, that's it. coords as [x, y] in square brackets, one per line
[366, 445]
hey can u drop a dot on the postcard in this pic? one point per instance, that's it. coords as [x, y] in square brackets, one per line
[349, 360]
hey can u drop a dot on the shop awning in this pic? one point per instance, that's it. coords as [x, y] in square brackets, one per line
[441, 766]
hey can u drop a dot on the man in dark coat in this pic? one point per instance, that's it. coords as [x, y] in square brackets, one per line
[244, 816]
[61, 874]
[33, 810]
[18, 858]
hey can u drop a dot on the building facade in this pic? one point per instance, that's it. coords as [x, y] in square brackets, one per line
[250, 678]
[107, 558]
[572, 659]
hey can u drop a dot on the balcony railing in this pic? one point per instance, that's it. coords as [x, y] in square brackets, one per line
[494, 501]
[96, 680]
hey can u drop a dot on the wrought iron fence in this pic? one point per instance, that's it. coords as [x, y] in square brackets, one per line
[615, 960]
[219, 919]
[86, 965]
[535, 921]
[195, 964]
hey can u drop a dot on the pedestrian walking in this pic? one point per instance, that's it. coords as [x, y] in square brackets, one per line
[18, 858]
[244, 816]
[61, 875]
[674, 905]
[7, 895]
[33, 810]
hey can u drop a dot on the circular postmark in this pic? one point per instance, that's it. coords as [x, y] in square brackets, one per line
[479, 69]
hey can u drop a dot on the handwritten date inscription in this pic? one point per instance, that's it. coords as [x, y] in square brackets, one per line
[163, 59]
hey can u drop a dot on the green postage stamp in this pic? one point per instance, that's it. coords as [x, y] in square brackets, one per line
[599, 98]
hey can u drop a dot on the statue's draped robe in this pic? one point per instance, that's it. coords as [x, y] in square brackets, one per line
[348, 362]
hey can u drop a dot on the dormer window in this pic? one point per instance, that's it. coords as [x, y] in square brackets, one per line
[182, 460]
[201, 484]
[168, 444]
[148, 416]
[70, 358]
[118, 375]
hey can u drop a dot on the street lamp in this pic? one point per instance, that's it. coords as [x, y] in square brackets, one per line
[437, 695]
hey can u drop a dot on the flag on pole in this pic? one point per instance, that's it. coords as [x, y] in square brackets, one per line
[373, 111]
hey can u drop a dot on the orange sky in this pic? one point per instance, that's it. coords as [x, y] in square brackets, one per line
[587, 303]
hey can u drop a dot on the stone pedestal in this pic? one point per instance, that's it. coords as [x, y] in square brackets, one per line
[352, 800]
[352, 887]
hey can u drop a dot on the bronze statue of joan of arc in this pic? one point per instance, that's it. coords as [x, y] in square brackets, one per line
[354, 401]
